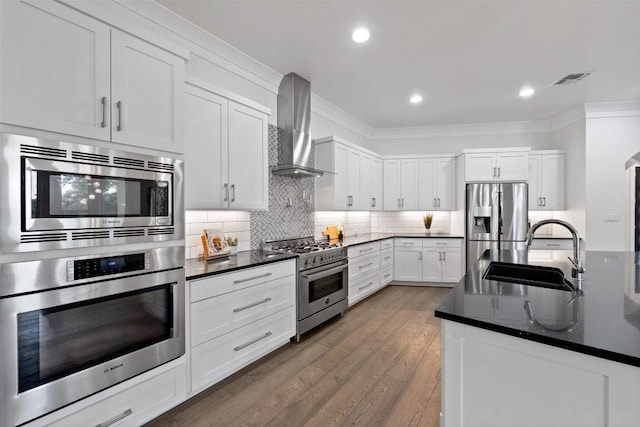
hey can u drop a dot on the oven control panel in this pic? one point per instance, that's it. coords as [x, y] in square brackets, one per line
[104, 266]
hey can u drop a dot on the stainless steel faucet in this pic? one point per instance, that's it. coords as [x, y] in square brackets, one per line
[576, 261]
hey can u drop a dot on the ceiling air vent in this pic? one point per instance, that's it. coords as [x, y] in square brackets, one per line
[571, 79]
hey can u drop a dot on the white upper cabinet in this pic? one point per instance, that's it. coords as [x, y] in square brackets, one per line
[496, 166]
[65, 72]
[546, 181]
[401, 188]
[437, 184]
[354, 181]
[226, 149]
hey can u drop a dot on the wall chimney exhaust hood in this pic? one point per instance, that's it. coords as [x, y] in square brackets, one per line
[294, 117]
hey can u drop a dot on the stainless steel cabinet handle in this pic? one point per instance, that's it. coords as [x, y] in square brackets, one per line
[373, 202]
[252, 278]
[366, 265]
[439, 256]
[539, 201]
[399, 203]
[104, 112]
[420, 253]
[236, 310]
[387, 257]
[407, 243]
[498, 172]
[366, 250]
[387, 275]
[403, 202]
[544, 201]
[438, 201]
[233, 192]
[226, 192]
[115, 419]
[494, 172]
[434, 203]
[553, 245]
[253, 341]
[368, 285]
[444, 256]
[119, 107]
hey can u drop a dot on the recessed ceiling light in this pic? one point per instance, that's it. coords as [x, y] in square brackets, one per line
[415, 99]
[360, 35]
[527, 92]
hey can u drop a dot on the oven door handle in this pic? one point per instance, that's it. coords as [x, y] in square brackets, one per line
[313, 276]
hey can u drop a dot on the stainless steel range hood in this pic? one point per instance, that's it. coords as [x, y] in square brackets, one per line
[294, 117]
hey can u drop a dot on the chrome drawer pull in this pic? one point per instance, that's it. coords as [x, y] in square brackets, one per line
[226, 192]
[553, 244]
[366, 286]
[442, 244]
[252, 278]
[387, 257]
[115, 419]
[119, 107]
[387, 275]
[366, 250]
[253, 341]
[104, 112]
[407, 243]
[235, 310]
[366, 265]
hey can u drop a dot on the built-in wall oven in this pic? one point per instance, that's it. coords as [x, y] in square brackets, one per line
[57, 195]
[71, 327]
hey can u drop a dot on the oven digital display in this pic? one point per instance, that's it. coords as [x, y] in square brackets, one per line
[109, 264]
[96, 267]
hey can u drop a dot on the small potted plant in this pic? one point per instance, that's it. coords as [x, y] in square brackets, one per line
[233, 244]
[428, 218]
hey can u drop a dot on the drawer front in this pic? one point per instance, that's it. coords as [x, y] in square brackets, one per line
[386, 244]
[441, 243]
[386, 258]
[224, 283]
[364, 249]
[213, 317]
[220, 357]
[135, 405]
[364, 265]
[407, 243]
[386, 275]
[364, 284]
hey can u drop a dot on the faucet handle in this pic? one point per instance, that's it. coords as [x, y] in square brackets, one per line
[579, 268]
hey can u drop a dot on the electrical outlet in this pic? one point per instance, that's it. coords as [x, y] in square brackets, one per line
[611, 217]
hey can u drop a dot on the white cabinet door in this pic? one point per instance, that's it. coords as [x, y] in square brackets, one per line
[409, 185]
[376, 183]
[446, 184]
[366, 197]
[206, 150]
[427, 197]
[353, 179]
[341, 177]
[512, 166]
[479, 167]
[54, 69]
[535, 199]
[431, 265]
[552, 182]
[248, 162]
[407, 264]
[451, 265]
[147, 86]
[392, 196]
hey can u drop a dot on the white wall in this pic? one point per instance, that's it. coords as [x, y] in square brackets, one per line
[610, 142]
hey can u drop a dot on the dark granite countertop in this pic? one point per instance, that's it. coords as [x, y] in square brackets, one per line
[604, 322]
[372, 237]
[197, 268]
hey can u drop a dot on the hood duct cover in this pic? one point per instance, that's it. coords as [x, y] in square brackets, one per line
[294, 118]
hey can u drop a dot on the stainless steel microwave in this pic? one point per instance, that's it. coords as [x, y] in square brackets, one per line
[58, 195]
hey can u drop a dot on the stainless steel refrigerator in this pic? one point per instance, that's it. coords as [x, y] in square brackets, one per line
[497, 217]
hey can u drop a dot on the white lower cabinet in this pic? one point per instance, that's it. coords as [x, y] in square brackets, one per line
[437, 260]
[386, 264]
[364, 271]
[237, 318]
[131, 403]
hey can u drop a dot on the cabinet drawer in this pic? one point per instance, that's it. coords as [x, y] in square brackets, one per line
[386, 275]
[222, 356]
[386, 258]
[213, 317]
[364, 249]
[224, 283]
[442, 243]
[364, 265]
[407, 243]
[386, 244]
[364, 285]
[134, 405]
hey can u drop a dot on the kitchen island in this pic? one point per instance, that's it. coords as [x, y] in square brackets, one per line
[525, 355]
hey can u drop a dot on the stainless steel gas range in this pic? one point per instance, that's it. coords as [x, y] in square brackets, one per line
[322, 279]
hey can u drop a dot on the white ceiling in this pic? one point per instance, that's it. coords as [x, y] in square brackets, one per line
[467, 58]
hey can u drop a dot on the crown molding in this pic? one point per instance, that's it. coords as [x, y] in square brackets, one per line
[505, 128]
[612, 109]
[340, 117]
[567, 118]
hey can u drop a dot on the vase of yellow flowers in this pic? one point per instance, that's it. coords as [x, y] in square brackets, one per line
[428, 218]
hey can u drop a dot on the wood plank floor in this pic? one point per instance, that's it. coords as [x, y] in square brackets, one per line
[378, 365]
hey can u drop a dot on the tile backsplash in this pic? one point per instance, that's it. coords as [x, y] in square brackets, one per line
[409, 222]
[354, 223]
[234, 224]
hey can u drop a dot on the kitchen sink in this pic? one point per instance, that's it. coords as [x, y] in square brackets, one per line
[533, 275]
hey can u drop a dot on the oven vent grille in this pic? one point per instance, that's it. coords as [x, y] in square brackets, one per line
[89, 235]
[160, 166]
[98, 158]
[158, 231]
[48, 237]
[123, 161]
[42, 151]
[128, 233]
